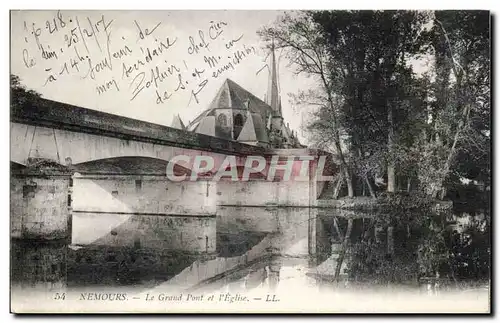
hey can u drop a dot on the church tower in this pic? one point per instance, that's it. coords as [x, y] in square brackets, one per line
[275, 124]
[273, 96]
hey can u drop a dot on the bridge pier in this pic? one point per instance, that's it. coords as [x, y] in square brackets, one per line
[39, 201]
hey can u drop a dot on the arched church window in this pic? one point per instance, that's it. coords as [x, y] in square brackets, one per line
[238, 120]
[222, 119]
[237, 125]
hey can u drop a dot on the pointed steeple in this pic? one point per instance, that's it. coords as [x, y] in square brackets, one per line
[177, 123]
[272, 97]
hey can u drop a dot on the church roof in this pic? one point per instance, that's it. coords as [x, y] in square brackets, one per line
[248, 131]
[231, 95]
[258, 116]
[260, 128]
[207, 126]
[254, 129]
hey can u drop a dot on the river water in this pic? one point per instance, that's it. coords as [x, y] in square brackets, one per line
[257, 242]
[285, 251]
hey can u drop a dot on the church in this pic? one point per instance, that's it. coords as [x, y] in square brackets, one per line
[236, 114]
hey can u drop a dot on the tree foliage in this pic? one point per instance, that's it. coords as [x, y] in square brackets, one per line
[391, 123]
[403, 101]
[19, 94]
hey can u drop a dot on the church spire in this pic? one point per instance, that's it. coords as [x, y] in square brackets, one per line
[272, 97]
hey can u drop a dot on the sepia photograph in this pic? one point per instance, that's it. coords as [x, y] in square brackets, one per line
[250, 161]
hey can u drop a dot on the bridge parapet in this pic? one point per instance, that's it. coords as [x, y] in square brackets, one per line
[58, 115]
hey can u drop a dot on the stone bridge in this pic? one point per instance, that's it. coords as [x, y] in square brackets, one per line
[100, 179]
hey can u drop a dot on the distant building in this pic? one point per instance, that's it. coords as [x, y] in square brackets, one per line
[236, 114]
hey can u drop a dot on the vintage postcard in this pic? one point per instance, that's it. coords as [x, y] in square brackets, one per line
[250, 161]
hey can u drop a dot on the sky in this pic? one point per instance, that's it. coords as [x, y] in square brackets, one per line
[147, 65]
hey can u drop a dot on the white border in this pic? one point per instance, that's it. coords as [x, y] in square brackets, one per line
[187, 4]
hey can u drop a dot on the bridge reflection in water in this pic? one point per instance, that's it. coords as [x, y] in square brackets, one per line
[271, 247]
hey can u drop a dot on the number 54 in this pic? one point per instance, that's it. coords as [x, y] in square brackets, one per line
[60, 296]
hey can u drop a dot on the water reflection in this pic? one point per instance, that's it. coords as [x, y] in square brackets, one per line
[38, 265]
[260, 252]
[251, 244]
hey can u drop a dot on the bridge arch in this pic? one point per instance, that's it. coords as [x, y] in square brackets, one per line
[129, 165]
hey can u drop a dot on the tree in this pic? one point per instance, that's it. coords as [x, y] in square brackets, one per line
[372, 49]
[373, 111]
[383, 119]
[19, 94]
[306, 49]
[365, 93]
[460, 108]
